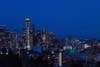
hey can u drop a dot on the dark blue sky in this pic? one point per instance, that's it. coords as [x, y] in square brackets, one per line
[79, 18]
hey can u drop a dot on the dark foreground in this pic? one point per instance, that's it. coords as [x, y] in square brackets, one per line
[12, 60]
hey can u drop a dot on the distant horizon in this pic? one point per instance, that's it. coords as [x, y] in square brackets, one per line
[58, 36]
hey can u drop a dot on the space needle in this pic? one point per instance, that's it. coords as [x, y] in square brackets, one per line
[27, 22]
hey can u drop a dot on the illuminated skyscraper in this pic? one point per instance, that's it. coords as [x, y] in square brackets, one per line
[44, 39]
[44, 36]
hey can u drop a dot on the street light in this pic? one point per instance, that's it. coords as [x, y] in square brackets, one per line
[27, 21]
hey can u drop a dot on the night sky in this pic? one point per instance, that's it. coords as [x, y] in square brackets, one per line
[79, 18]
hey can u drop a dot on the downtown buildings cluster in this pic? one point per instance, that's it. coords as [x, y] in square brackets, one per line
[42, 41]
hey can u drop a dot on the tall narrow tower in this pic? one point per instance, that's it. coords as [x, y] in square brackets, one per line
[27, 21]
[16, 39]
[44, 36]
[33, 29]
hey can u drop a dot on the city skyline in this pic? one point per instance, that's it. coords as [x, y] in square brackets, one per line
[76, 18]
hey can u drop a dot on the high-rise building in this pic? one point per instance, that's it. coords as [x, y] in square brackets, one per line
[5, 37]
[24, 38]
[32, 35]
[15, 39]
[52, 39]
[44, 36]
[33, 29]
[38, 38]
